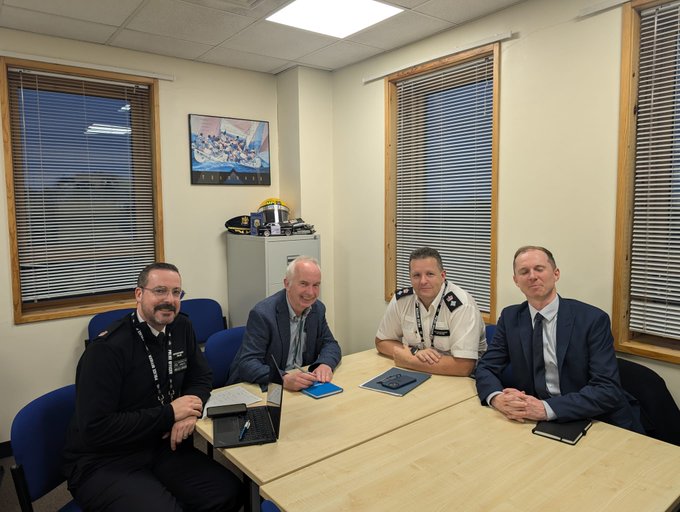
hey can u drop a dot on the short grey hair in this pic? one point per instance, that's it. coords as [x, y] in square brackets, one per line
[290, 270]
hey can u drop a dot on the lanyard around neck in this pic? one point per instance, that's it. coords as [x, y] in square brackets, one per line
[152, 363]
[434, 321]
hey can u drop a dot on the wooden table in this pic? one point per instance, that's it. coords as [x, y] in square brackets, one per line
[313, 430]
[470, 458]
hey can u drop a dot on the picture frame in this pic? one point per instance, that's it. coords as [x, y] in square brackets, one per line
[228, 151]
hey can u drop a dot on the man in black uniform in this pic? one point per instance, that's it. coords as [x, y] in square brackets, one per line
[140, 387]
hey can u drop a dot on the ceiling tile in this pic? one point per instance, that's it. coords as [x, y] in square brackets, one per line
[275, 40]
[99, 11]
[410, 4]
[233, 32]
[140, 41]
[242, 60]
[259, 9]
[399, 30]
[48, 24]
[339, 54]
[461, 11]
[173, 18]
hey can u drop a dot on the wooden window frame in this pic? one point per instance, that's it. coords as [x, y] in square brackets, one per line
[492, 49]
[625, 340]
[72, 307]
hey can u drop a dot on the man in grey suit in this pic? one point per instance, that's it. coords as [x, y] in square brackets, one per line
[290, 326]
[561, 352]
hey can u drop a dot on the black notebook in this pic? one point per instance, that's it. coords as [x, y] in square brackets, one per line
[568, 432]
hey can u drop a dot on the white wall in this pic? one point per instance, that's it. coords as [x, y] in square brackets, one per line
[38, 357]
[558, 146]
[559, 91]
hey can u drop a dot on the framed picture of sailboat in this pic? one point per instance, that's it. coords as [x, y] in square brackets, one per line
[229, 151]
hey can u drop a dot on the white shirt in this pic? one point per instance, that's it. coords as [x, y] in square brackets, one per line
[459, 331]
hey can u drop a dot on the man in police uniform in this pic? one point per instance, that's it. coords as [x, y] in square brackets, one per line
[140, 387]
[434, 326]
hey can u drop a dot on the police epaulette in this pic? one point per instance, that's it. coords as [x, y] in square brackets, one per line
[452, 301]
[403, 292]
[111, 329]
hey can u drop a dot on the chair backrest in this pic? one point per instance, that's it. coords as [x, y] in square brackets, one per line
[490, 330]
[206, 317]
[659, 413]
[220, 350]
[38, 436]
[100, 321]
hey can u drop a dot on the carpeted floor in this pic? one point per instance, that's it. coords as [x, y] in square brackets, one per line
[8, 497]
[60, 496]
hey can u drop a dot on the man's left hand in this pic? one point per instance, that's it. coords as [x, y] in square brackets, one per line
[403, 357]
[535, 410]
[323, 373]
[181, 430]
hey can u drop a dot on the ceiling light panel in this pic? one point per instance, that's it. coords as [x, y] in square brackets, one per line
[337, 18]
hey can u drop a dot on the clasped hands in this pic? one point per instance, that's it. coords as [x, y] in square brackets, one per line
[517, 405]
[187, 409]
[402, 355]
[297, 380]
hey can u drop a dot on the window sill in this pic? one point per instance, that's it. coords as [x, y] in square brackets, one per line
[54, 313]
[667, 354]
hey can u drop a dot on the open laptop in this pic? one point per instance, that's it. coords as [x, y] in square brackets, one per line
[265, 420]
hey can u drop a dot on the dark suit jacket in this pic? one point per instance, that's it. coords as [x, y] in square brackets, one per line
[268, 332]
[586, 362]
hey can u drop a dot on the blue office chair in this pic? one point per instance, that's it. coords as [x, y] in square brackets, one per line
[268, 506]
[220, 350]
[38, 436]
[100, 321]
[206, 317]
[490, 330]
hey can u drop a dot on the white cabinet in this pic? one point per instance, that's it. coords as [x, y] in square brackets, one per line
[256, 266]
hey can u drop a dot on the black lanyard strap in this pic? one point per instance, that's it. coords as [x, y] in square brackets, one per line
[434, 321]
[152, 363]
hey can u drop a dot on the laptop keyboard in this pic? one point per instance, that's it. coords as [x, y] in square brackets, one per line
[260, 426]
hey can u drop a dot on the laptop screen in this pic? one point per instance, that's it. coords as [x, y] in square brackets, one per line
[275, 397]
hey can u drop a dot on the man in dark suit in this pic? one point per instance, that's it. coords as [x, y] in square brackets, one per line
[291, 326]
[561, 352]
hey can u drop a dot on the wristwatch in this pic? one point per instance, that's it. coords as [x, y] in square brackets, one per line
[414, 350]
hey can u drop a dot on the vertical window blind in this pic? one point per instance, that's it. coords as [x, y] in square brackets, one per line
[444, 172]
[655, 246]
[83, 183]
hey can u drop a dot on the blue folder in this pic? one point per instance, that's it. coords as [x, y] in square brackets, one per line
[375, 383]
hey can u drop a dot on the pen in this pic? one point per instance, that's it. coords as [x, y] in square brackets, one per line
[303, 371]
[245, 428]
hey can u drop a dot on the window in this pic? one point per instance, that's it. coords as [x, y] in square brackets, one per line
[646, 312]
[82, 185]
[441, 170]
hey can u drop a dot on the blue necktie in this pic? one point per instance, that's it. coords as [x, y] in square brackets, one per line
[539, 364]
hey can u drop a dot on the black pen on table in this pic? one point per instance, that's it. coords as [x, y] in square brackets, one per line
[244, 429]
[297, 367]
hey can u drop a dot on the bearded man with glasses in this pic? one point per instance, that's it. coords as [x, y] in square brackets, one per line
[140, 387]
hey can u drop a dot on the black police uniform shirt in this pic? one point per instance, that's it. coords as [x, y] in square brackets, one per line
[117, 406]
